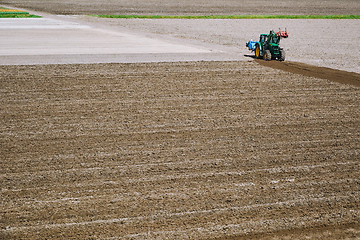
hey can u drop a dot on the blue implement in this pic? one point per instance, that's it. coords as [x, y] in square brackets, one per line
[251, 45]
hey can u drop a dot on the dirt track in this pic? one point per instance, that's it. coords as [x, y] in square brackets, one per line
[314, 71]
[177, 150]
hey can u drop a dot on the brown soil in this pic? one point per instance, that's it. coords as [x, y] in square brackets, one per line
[198, 150]
[199, 7]
[314, 71]
[329, 232]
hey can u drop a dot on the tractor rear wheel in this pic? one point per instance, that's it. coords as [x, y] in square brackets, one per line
[257, 51]
[267, 55]
[282, 55]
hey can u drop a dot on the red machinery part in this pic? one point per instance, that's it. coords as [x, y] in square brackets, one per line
[283, 34]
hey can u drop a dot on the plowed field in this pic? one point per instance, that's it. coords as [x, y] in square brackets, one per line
[194, 150]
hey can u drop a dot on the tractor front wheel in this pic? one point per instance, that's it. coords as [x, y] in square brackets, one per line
[267, 55]
[257, 51]
[282, 55]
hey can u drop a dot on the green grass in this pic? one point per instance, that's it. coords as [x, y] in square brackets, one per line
[19, 16]
[15, 14]
[234, 16]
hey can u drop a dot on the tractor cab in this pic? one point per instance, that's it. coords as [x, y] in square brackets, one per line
[273, 39]
[263, 38]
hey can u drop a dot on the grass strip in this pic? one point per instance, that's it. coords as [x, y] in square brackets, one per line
[234, 16]
[19, 16]
[13, 13]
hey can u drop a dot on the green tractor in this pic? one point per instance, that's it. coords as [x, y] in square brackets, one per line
[268, 46]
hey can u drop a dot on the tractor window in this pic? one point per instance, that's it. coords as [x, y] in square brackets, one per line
[274, 40]
[263, 38]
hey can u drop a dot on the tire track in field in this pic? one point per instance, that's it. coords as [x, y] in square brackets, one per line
[304, 69]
